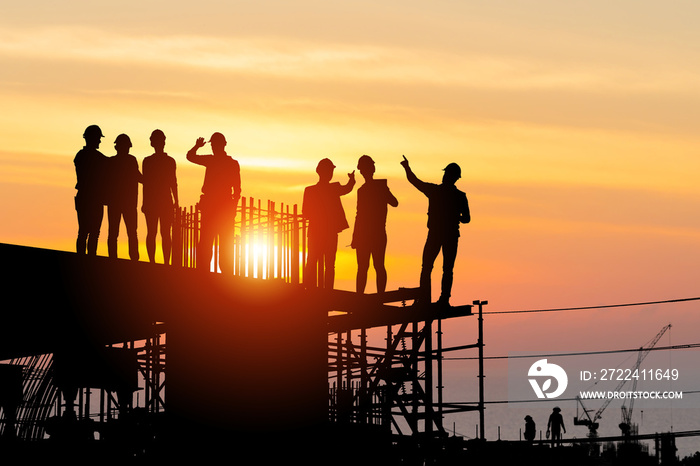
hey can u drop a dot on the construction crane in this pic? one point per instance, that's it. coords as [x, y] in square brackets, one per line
[625, 425]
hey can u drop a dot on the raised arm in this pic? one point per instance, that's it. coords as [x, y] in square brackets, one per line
[192, 153]
[412, 178]
[347, 187]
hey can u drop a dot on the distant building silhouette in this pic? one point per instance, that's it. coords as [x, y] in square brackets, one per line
[323, 208]
[160, 197]
[369, 233]
[447, 208]
[221, 191]
[90, 197]
[124, 179]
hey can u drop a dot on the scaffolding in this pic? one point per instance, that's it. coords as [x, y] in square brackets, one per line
[94, 405]
[394, 386]
[269, 241]
[397, 388]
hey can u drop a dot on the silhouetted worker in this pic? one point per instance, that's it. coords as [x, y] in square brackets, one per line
[90, 198]
[220, 194]
[555, 426]
[530, 429]
[369, 234]
[124, 179]
[323, 208]
[447, 208]
[160, 199]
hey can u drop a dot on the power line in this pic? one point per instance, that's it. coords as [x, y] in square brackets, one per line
[584, 308]
[538, 400]
[583, 353]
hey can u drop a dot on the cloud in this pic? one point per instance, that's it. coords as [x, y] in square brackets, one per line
[318, 61]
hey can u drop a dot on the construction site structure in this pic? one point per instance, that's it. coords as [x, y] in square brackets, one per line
[135, 359]
[396, 390]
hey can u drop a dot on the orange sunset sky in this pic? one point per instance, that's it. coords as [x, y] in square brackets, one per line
[575, 124]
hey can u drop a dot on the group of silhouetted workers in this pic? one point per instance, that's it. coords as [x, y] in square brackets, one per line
[555, 425]
[113, 181]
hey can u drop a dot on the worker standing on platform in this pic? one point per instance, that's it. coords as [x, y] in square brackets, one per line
[530, 429]
[90, 198]
[369, 233]
[221, 191]
[124, 179]
[160, 199]
[555, 426]
[324, 210]
[447, 208]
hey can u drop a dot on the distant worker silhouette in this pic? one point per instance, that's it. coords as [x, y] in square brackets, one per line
[221, 191]
[555, 426]
[90, 197]
[447, 208]
[369, 233]
[124, 179]
[530, 428]
[324, 210]
[160, 198]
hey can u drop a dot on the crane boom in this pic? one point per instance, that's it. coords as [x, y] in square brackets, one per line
[627, 412]
[591, 422]
[643, 352]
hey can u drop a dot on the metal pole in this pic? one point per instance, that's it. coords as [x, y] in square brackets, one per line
[364, 378]
[295, 247]
[429, 411]
[339, 359]
[260, 242]
[481, 367]
[439, 369]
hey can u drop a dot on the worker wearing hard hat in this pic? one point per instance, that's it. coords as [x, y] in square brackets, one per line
[447, 208]
[90, 198]
[221, 191]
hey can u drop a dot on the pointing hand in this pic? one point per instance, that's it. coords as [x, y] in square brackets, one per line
[404, 162]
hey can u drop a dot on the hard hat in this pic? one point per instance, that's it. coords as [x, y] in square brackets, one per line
[324, 164]
[218, 137]
[453, 168]
[364, 161]
[157, 134]
[93, 130]
[123, 139]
